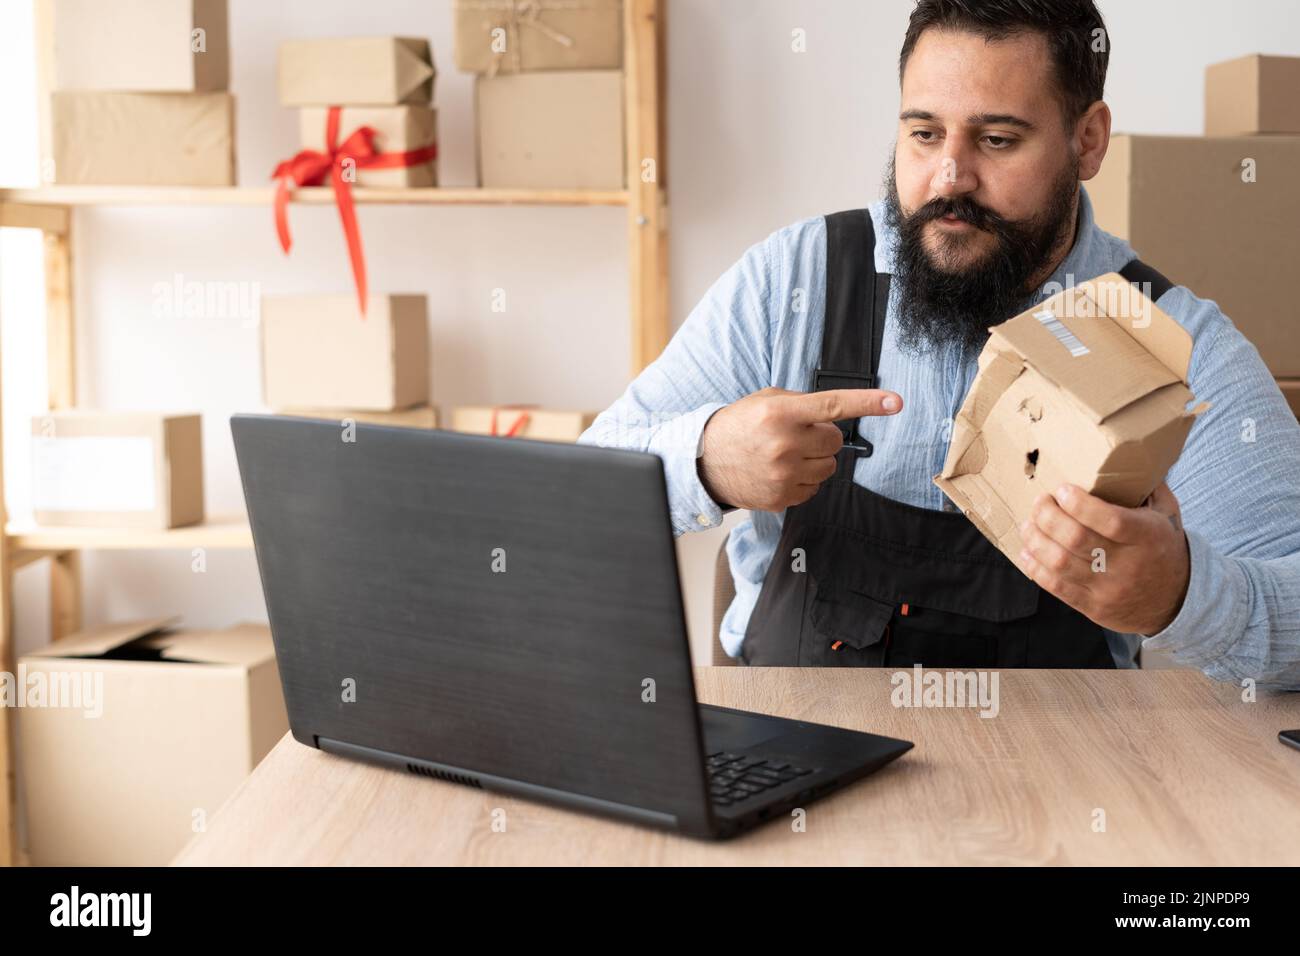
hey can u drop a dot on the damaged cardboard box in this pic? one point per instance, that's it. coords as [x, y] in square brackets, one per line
[1090, 388]
[1253, 94]
[357, 71]
[133, 736]
[507, 36]
[398, 129]
[521, 421]
[143, 139]
[319, 351]
[559, 130]
[150, 46]
[117, 469]
[1217, 215]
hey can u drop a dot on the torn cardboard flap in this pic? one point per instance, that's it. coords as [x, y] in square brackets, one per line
[93, 643]
[1089, 388]
[244, 645]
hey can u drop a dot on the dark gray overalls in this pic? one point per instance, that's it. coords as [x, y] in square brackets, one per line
[880, 583]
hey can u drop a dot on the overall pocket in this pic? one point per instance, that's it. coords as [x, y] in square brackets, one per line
[845, 628]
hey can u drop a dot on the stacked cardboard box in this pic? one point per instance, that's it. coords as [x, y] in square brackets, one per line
[549, 91]
[140, 93]
[384, 83]
[322, 358]
[1217, 213]
[117, 469]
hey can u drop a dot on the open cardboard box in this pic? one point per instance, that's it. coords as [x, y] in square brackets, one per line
[161, 726]
[1090, 388]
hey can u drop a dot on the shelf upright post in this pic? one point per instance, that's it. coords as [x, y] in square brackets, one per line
[647, 208]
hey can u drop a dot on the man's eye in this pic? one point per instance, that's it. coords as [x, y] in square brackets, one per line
[923, 135]
[999, 142]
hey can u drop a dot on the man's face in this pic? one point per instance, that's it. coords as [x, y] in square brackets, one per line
[980, 122]
[983, 187]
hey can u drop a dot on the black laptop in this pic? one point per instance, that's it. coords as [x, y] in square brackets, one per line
[506, 614]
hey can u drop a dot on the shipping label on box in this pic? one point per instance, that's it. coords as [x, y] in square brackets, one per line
[521, 421]
[1087, 388]
[356, 71]
[551, 130]
[512, 36]
[143, 729]
[117, 469]
[148, 46]
[318, 351]
[143, 139]
[398, 129]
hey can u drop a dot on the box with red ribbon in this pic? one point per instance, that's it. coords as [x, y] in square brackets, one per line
[521, 421]
[404, 130]
[366, 121]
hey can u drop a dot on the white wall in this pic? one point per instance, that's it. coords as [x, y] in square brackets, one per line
[758, 136]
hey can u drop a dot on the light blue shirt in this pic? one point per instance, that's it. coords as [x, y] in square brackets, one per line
[1238, 480]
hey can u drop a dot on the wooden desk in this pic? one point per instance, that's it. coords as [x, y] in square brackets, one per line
[1186, 773]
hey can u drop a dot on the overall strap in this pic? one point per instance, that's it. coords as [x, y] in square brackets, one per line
[1138, 273]
[857, 298]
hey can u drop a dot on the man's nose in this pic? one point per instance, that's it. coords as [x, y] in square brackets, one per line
[954, 175]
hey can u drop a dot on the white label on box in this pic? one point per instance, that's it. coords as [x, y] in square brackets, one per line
[93, 473]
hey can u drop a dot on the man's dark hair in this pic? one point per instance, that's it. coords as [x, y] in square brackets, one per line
[1075, 33]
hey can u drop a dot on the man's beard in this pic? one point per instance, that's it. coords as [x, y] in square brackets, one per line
[940, 307]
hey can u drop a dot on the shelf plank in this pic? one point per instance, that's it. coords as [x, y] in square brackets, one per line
[308, 195]
[219, 532]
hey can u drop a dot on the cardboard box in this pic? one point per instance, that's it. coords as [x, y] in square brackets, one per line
[117, 469]
[522, 421]
[319, 351]
[1253, 94]
[151, 46]
[1088, 388]
[551, 130]
[397, 130]
[183, 717]
[422, 416]
[1291, 392]
[502, 36]
[143, 139]
[356, 71]
[1218, 216]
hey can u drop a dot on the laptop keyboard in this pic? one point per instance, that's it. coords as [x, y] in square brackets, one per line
[737, 777]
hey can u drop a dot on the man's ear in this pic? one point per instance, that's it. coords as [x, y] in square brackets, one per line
[1092, 139]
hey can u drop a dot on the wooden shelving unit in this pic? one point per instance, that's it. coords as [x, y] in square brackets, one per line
[70, 196]
[52, 210]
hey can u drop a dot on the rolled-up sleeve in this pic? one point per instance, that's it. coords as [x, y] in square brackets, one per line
[1238, 485]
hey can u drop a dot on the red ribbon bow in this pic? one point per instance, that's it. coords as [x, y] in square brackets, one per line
[310, 167]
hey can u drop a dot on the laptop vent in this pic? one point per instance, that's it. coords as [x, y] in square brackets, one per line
[444, 775]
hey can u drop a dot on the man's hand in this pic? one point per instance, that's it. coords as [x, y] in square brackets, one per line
[774, 448]
[1072, 536]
